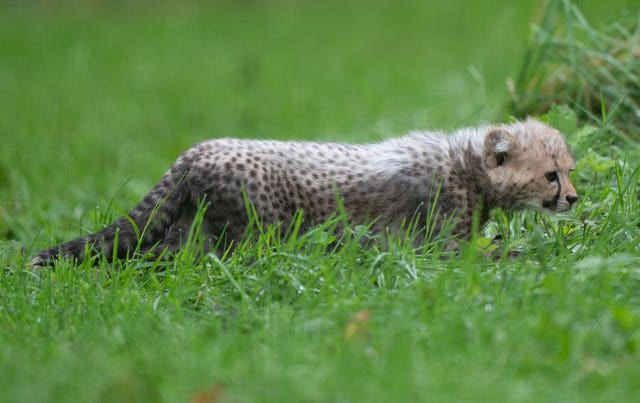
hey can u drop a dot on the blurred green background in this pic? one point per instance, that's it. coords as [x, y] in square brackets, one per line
[98, 95]
[97, 92]
[102, 91]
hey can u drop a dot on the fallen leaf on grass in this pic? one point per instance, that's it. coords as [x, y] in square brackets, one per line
[358, 325]
[212, 395]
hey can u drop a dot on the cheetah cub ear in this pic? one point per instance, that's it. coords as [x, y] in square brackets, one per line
[499, 147]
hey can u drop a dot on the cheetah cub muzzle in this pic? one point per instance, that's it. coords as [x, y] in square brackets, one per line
[520, 165]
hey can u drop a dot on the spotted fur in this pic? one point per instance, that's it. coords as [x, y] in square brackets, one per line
[524, 164]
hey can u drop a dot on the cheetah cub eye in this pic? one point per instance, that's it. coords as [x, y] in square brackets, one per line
[551, 176]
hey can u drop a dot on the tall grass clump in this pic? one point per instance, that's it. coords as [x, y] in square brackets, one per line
[595, 71]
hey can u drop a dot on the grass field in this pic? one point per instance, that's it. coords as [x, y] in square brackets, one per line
[96, 102]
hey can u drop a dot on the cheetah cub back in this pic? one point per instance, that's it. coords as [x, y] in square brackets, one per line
[514, 166]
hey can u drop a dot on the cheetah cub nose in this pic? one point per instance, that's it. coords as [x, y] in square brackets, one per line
[572, 199]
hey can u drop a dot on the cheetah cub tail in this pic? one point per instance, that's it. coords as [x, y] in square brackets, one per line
[139, 231]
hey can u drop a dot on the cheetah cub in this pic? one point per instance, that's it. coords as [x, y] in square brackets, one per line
[514, 166]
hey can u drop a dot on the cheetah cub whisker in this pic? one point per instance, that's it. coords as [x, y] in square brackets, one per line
[520, 165]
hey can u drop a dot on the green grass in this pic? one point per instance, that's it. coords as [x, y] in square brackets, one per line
[596, 70]
[96, 103]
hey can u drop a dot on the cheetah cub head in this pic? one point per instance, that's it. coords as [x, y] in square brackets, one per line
[528, 164]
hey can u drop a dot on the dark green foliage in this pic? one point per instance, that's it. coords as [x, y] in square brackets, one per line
[594, 70]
